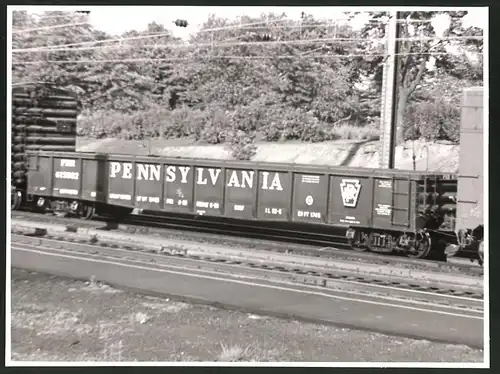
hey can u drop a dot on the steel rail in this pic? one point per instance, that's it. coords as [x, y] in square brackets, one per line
[272, 239]
[314, 272]
[382, 308]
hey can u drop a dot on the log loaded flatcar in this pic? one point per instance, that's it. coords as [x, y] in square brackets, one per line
[43, 119]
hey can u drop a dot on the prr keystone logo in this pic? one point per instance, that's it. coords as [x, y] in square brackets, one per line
[350, 189]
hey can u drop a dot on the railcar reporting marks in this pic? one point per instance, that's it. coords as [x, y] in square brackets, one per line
[350, 188]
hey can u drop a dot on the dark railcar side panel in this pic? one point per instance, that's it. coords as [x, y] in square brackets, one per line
[310, 198]
[66, 177]
[402, 211]
[121, 183]
[274, 191]
[178, 188]
[148, 186]
[209, 191]
[40, 175]
[240, 193]
[350, 200]
[382, 203]
[90, 180]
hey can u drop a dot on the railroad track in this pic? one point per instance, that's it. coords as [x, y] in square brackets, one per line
[450, 293]
[272, 239]
[450, 312]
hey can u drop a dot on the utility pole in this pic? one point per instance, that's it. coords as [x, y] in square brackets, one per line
[389, 94]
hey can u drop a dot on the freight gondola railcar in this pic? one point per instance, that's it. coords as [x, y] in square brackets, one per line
[382, 210]
[43, 119]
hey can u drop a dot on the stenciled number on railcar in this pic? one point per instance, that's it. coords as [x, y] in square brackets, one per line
[73, 175]
[306, 214]
[274, 211]
[170, 201]
[150, 199]
[207, 204]
[383, 209]
[67, 163]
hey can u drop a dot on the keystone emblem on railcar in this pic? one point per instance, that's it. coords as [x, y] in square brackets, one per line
[349, 188]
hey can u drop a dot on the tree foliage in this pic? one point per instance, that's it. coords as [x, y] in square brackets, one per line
[416, 55]
[310, 81]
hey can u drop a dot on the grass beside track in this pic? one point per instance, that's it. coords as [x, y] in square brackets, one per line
[58, 319]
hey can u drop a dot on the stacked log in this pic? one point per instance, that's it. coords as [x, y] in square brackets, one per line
[438, 195]
[43, 119]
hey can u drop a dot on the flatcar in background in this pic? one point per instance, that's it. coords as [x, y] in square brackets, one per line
[43, 119]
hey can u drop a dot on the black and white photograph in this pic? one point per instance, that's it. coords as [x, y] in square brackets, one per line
[247, 186]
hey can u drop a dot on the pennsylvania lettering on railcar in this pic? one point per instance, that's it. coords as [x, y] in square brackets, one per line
[151, 172]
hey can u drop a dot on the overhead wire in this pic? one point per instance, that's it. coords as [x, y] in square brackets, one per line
[229, 27]
[110, 40]
[45, 16]
[171, 59]
[249, 43]
[17, 31]
[225, 43]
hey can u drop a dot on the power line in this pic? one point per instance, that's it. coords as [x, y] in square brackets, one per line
[37, 49]
[269, 43]
[17, 31]
[194, 45]
[172, 59]
[44, 16]
[138, 37]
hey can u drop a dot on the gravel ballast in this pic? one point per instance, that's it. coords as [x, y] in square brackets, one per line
[58, 319]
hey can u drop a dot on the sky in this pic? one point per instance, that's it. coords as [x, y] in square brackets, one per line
[118, 19]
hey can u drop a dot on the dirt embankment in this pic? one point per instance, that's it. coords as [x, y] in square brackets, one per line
[429, 156]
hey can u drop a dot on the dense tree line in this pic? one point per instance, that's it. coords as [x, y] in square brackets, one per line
[239, 80]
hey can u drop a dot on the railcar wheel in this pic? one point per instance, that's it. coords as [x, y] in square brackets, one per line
[16, 200]
[358, 245]
[86, 211]
[422, 246]
[480, 253]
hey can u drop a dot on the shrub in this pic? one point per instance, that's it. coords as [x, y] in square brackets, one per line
[356, 132]
[151, 123]
[287, 123]
[242, 145]
[435, 120]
